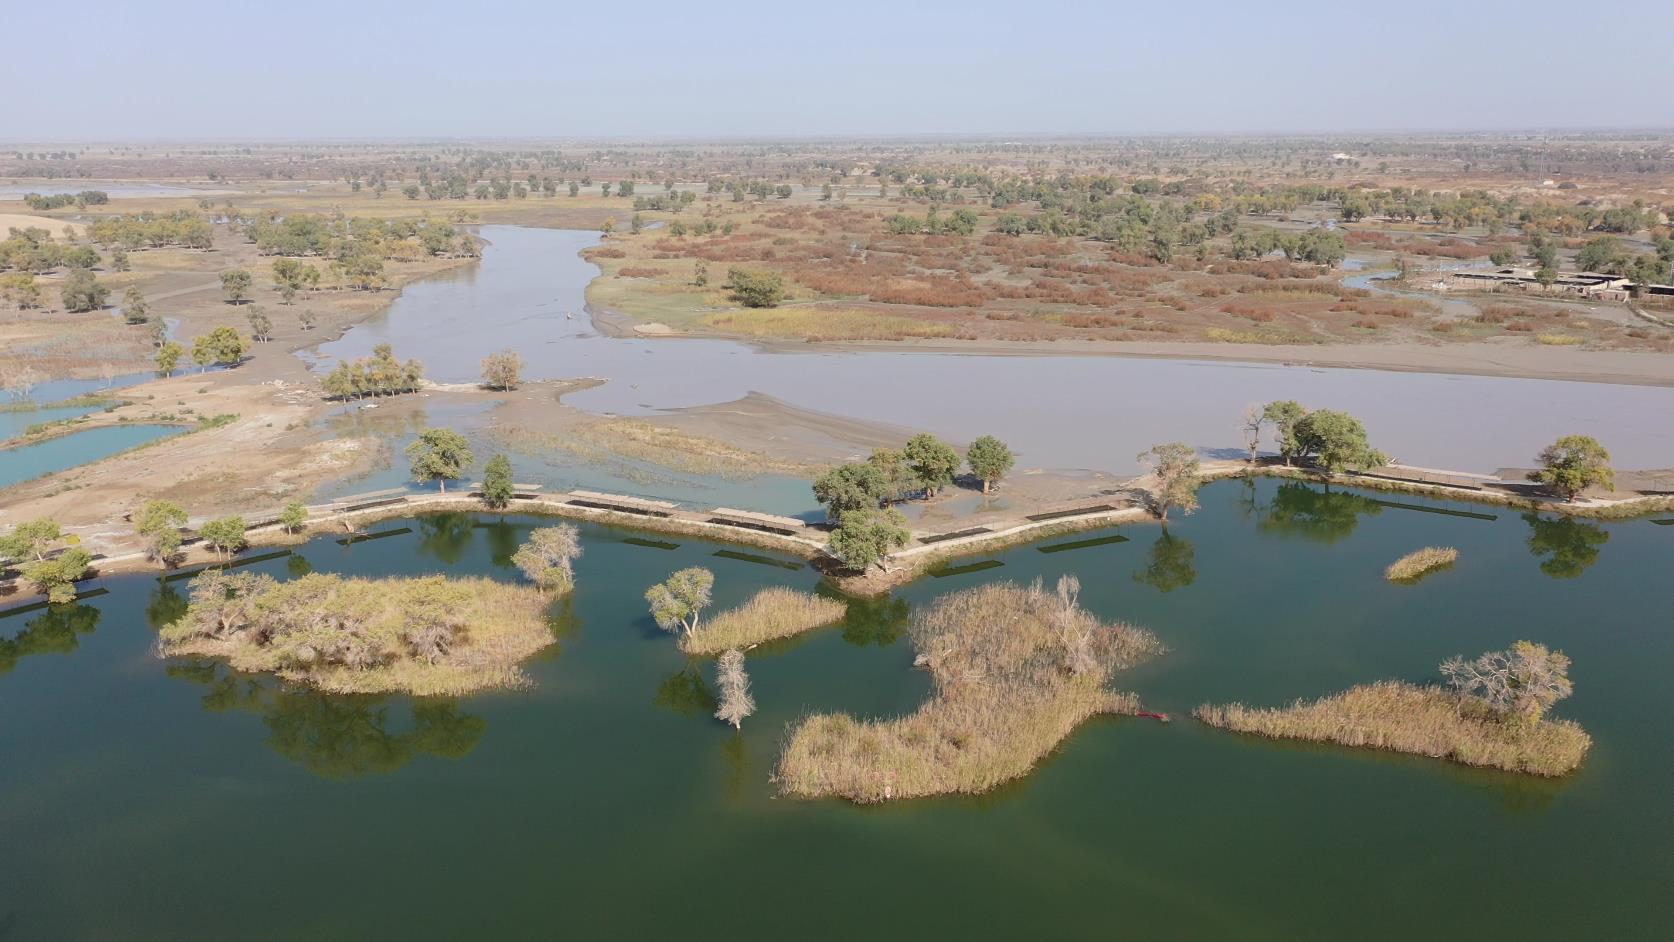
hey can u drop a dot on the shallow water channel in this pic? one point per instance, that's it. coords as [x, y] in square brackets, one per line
[142, 798]
[77, 448]
[1093, 412]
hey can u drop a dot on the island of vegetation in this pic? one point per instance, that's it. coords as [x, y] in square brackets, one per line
[1491, 713]
[1015, 670]
[1419, 563]
[778, 612]
[425, 636]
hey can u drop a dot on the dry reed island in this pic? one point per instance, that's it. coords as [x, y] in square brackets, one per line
[769, 615]
[423, 636]
[1420, 563]
[1015, 669]
[1491, 713]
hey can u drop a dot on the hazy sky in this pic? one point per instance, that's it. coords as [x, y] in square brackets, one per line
[352, 68]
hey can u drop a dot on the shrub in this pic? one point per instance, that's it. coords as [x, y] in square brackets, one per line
[771, 613]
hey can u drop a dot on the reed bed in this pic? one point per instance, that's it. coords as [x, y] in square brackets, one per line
[1419, 563]
[1015, 670]
[778, 612]
[1426, 721]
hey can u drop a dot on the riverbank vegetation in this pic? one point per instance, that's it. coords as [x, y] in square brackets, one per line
[425, 636]
[1419, 563]
[1492, 713]
[1014, 669]
[777, 612]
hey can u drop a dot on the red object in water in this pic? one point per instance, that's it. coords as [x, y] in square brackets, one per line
[1153, 716]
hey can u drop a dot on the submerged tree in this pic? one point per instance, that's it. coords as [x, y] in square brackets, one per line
[1520, 683]
[1572, 464]
[440, 455]
[736, 702]
[548, 557]
[1175, 466]
[932, 461]
[989, 459]
[677, 603]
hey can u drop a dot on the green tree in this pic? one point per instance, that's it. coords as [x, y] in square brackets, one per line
[497, 486]
[159, 523]
[82, 292]
[31, 540]
[677, 603]
[56, 578]
[134, 308]
[755, 288]
[221, 346]
[548, 557]
[235, 285]
[868, 536]
[1572, 464]
[1176, 469]
[224, 535]
[440, 455]
[855, 486]
[1284, 415]
[989, 459]
[293, 517]
[168, 357]
[933, 462]
[1337, 442]
[261, 326]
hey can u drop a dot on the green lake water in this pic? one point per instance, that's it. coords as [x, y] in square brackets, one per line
[142, 798]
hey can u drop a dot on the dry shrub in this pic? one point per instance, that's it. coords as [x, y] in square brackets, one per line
[1559, 340]
[1250, 310]
[606, 253]
[778, 612]
[633, 271]
[1014, 670]
[1420, 562]
[1426, 721]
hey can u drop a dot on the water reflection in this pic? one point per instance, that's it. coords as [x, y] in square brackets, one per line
[879, 621]
[503, 538]
[446, 536]
[336, 736]
[57, 630]
[1565, 546]
[297, 566]
[1171, 564]
[1324, 516]
[686, 693]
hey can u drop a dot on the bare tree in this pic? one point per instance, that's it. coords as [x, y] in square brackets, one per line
[736, 702]
[19, 381]
[1520, 683]
[1254, 422]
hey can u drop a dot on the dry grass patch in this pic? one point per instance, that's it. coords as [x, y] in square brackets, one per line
[1420, 562]
[1559, 340]
[1015, 670]
[1426, 721]
[424, 636]
[826, 323]
[771, 613]
[681, 451]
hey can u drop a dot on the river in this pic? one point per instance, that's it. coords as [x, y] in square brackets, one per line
[1083, 412]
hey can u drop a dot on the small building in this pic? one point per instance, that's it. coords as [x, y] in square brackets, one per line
[1593, 286]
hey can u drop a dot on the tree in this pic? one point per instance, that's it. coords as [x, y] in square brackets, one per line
[1572, 464]
[293, 517]
[1337, 442]
[503, 370]
[755, 288]
[856, 486]
[168, 357]
[677, 603]
[440, 455]
[235, 285]
[1520, 684]
[159, 523]
[134, 309]
[932, 461]
[1284, 416]
[989, 459]
[1175, 466]
[221, 346]
[261, 326]
[1254, 422]
[30, 541]
[159, 332]
[291, 276]
[547, 557]
[56, 578]
[868, 536]
[82, 292]
[736, 702]
[497, 486]
[224, 535]
[305, 320]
